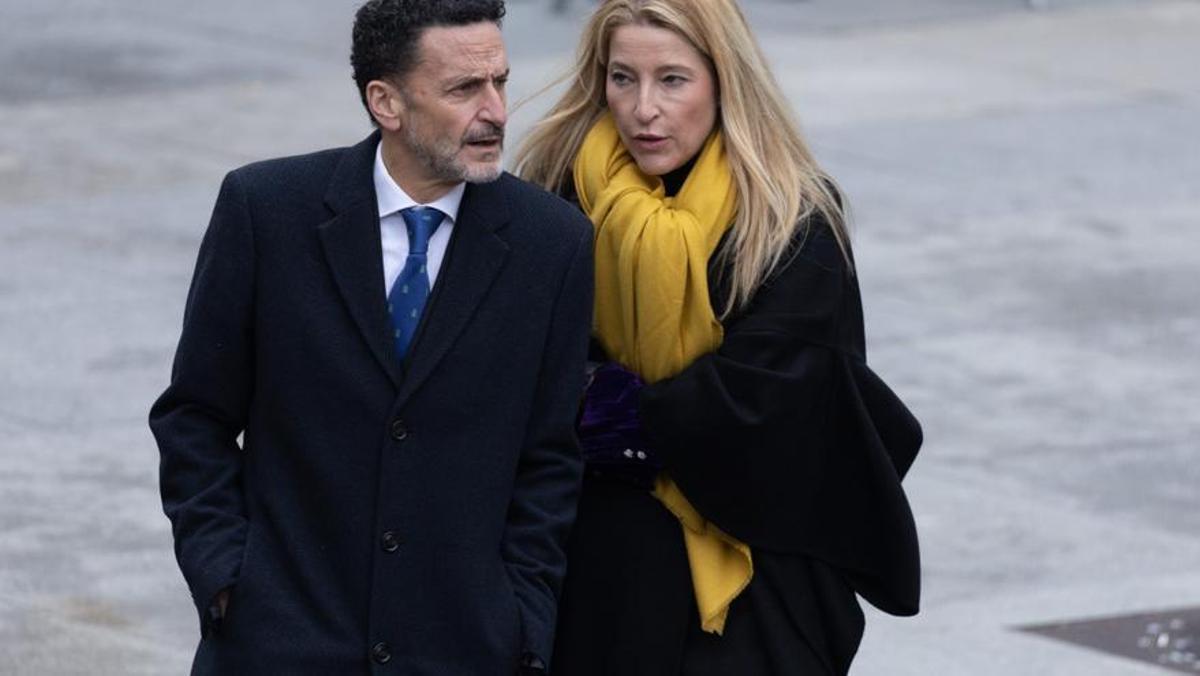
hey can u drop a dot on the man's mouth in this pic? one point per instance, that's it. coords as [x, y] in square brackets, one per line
[492, 142]
[486, 138]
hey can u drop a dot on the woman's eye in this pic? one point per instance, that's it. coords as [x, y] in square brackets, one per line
[619, 78]
[673, 80]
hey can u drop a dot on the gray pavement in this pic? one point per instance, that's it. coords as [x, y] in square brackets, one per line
[1026, 188]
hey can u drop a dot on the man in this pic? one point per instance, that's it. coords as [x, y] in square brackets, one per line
[397, 330]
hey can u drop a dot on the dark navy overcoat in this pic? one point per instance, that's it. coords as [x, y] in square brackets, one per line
[369, 515]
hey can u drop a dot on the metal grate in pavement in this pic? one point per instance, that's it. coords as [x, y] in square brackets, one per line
[1168, 638]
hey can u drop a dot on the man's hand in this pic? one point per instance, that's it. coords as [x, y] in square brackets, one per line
[531, 665]
[216, 612]
[221, 603]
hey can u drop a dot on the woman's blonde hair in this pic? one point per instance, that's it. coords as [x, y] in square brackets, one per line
[780, 186]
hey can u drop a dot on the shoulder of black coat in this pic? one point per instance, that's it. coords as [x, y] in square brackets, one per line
[542, 213]
[296, 173]
[814, 244]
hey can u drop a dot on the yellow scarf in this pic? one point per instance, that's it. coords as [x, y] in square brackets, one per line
[653, 314]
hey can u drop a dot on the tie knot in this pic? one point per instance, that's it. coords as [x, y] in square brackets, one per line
[421, 222]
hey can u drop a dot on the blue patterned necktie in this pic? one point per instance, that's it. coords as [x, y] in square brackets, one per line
[408, 295]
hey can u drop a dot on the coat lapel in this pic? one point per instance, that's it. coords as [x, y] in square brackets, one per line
[352, 246]
[476, 256]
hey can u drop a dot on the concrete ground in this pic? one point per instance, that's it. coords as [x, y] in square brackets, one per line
[1026, 186]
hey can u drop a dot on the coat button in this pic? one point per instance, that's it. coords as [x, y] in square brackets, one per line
[390, 541]
[381, 653]
[399, 430]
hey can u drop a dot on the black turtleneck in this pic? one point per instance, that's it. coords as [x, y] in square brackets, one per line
[673, 180]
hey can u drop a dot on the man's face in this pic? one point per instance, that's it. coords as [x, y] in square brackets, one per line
[453, 117]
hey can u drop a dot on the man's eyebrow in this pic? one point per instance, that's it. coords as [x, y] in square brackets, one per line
[463, 80]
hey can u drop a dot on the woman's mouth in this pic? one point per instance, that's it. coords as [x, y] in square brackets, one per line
[649, 142]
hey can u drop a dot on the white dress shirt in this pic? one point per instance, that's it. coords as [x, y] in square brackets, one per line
[394, 233]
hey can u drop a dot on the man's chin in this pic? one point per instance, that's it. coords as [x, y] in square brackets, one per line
[482, 172]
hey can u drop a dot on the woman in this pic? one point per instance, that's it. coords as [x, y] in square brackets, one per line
[744, 464]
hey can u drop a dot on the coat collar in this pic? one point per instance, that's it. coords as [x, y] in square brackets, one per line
[351, 240]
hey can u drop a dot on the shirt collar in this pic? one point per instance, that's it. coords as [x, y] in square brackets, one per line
[392, 198]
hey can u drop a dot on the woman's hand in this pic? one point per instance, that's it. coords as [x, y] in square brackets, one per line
[610, 427]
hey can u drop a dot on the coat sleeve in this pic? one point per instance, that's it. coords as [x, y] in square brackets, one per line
[198, 418]
[786, 440]
[550, 470]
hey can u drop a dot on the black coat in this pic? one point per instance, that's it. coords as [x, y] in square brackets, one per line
[785, 439]
[412, 514]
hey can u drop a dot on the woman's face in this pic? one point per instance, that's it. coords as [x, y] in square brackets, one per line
[663, 95]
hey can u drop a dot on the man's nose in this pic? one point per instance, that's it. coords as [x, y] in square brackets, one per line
[494, 107]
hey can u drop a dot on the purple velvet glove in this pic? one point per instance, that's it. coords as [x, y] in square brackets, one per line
[610, 430]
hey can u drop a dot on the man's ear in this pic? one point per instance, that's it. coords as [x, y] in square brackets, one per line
[385, 103]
